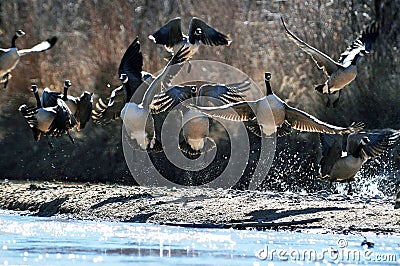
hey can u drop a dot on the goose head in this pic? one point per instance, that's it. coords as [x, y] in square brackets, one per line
[18, 33]
[267, 77]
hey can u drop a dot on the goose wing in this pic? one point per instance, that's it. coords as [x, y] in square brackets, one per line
[105, 113]
[324, 62]
[132, 64]
[209, 35]
[63, 121]
[49, 98]
[362, 43]
[169, 34]
[379, 143]
[303, 121]
[169, 99]
[41, 47]
[331, 152]
[241, 111]
[227, 93]
[166, 76]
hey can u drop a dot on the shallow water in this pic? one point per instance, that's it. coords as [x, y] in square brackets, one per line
[28, 240]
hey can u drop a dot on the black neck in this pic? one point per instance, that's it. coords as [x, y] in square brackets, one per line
[268, 86]
[357, 152]
[38, 103]
[14, 38]
[65, 97]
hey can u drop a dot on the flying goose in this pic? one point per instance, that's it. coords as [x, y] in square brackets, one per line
[9, 57]
[344, 71]
[170, 35]
[195, 128]
[274, 115]
[337, 165]
[137, 119]
[80, 107]
[52, 121]
[131, 76]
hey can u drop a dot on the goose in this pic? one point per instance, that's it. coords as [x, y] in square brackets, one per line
[339, 166]
[9, 57]
[136, 118]
[80, 107]
[274, 115]
[195, 128]
[170, 35]
[344, 71]
[52, 121]
[132, 77]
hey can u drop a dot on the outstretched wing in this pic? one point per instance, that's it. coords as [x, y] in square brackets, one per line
[241, 111]
[41, 47]
[105, 113]
[377, 143]
[209, 35]
[169, 34]
[362, 44]
[227, 93]
[303, 121]
[324, 62]
[132, 65]
[167, 100]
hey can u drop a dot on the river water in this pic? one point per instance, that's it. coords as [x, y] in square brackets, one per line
[30, 240]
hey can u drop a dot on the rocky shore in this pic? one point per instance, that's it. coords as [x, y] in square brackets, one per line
[195, 207]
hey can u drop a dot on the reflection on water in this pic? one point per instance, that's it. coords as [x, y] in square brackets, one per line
[27, 240]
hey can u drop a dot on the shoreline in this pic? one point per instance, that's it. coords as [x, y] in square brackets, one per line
[204, 208]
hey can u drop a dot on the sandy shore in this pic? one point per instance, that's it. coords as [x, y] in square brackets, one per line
[203, 207]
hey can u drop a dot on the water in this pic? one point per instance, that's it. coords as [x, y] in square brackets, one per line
[28, 240]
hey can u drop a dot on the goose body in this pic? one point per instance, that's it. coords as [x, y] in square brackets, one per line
[195, 124]
[344, 71]
[274, 115]
[170, 35]
[132, 77]
[80, 107]
[337, 165]
[10, 57]
[51, 121]
[137, 118]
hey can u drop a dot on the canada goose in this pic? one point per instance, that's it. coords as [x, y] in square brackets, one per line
[272, 114]
[80, 107]
[339, 166]
[131, 76]
[170, 35]
[136, 117]
[9, 58]
[195, 128]
[344, 71]
[52, 121]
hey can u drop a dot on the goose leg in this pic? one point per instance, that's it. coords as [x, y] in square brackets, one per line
[7, 77]
[70, 137]
[189, 67]
[335, 103]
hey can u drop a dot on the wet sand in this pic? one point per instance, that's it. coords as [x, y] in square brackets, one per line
[203, 207]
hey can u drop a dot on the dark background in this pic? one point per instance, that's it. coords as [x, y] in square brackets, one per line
[93, 36]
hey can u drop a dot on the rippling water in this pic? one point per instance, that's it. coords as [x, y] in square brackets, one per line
[28, 240]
